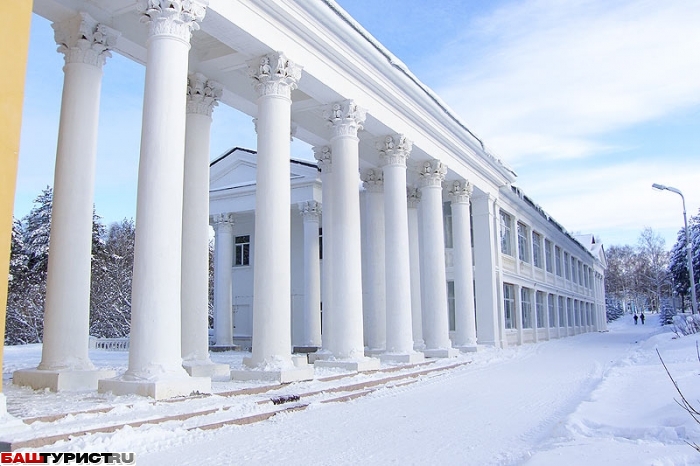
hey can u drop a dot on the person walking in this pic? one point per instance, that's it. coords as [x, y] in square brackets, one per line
[641, 317]
[635, 319]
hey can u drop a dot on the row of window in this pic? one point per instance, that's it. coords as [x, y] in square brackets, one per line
[543, 254]
[570, 312]
[241, 253]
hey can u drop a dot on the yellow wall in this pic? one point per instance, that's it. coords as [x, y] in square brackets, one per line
[14, 46]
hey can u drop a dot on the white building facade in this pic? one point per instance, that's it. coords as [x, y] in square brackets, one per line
[399, 278]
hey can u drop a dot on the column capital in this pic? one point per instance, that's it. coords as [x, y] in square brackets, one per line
[323, 154]
[176, 18]
[460, 192]
[394, 149]
[83, 40]
[202, 94]
[310, 210]
[225, 219]
[274, 74]
[345, 118]
[373, 180]
[432, 174]
[413, 195]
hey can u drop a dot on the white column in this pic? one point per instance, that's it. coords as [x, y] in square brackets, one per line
[413, 198]
[311, 210]
[487, 285]
[347, 346]
[433, 279]
[393, 153]
[155, 361]
[274, 77]
[465, 318]
[202, 97]
[374, 311]
[223, 280]
[65, 364]
[324, 158]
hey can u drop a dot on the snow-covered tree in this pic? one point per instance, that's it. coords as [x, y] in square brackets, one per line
[110, 312]
[28, 266]
[678, 261]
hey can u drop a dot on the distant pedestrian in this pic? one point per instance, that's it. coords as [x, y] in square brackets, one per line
[635, 319]
[641, 316]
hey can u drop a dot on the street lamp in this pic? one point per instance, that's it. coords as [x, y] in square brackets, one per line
[689, 246]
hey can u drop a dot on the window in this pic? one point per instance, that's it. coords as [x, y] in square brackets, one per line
[509, 305]
[557, 260]
[580, 272]
[562, 313]
[570, 312]
[447, 223]
[451, 304]
[506, 232]
[573, 269]
[552, 313]
[320, 243]
[522, 243]
[537, 250]
[548, 255]
[526, 307]
[567, 269]
[577, 312]
[242, 252]
[539, 306]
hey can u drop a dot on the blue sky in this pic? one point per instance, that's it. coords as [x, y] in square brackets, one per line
[590, 101]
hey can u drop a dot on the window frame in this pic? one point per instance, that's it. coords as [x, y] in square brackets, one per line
[523, 246]
[506, 232]
[509, 306]
[537, 250]
[241, 247]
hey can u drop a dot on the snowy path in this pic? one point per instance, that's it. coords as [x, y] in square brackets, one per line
[593, 399]
[500, 410]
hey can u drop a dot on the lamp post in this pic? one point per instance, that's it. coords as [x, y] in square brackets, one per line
[689, 246]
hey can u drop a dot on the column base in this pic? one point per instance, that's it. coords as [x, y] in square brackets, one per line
[371, 352]
[222, 348]
[441, 353]
[404, 358]
[293, 374]
[158, 388]
[8, 423]
[467, 348]
[305, 349]
[219, 372]
[56, 381]
[357, 365]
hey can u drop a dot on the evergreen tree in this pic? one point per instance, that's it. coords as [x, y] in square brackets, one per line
[678, 262]
[110, 313]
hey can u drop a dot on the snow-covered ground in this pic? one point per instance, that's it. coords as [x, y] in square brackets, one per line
[592, 399]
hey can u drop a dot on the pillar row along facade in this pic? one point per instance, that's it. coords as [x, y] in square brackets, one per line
[403, 239]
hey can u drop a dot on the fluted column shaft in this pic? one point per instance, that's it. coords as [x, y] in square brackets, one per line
[374, 311]
[465, 318]
[85, 44]
[274, 77]
[347, 339]
[202, 96]
[312, 275]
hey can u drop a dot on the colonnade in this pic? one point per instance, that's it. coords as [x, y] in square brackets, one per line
[405, 314]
